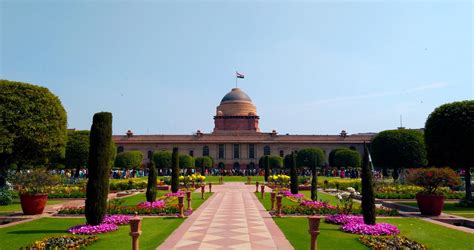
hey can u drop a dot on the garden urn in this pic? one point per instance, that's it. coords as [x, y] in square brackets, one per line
[313, 222]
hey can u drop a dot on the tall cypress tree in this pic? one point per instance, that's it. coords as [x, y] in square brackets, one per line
[175, 171]
[151, 185]
[368, 199]
[293, 174]
[99, 168]
[267, 167]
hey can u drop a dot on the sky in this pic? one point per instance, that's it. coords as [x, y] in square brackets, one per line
[311, 67]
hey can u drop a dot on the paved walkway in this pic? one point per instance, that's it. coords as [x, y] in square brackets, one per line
[232, 218]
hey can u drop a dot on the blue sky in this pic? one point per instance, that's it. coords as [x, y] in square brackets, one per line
[311, 67]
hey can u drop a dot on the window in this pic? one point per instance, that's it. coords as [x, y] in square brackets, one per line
[282, 153]
[251, 151]
[205, 151]
[221, 151]
[266, 150]
[119, 149]
[236, 151]
[191, 153]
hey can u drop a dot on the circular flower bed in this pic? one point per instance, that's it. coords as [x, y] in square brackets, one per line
[118, 219]
[377, 229]
[155, 204]
[88, 229]
[342, 219]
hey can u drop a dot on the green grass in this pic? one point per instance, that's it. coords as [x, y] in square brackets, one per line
[431, 235]
[195, 203]
[16, 205]
[155, 231]
[215, 179]
[449, 208]
[321, 196]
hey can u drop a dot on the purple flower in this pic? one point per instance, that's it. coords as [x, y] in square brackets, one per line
[377, 229]
[287, 193]
[342, 219]
[88, 229]
[155, 204]
[177, 194]
[317, 204]
[118, 219]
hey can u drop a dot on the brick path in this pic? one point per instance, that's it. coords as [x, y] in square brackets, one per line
[232, 218]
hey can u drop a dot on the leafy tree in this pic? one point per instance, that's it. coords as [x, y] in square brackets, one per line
[129, 159]
[186, 162]
[151, 185]
[312, 158]
[203, 163]
[99, 168]
[347, 158]
[449, 136]
[175, 171]
[290, 161]
[77, 150]
[397, 149]
[162, 159]
[276, 162]
[33, 125]
[267, 166]
[331, 156]
[368, 198]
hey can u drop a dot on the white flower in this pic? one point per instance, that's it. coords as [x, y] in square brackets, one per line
[351, 189]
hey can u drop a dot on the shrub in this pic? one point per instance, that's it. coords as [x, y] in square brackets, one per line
[390, 242]
[331, 156]
[275, 162]
[162, 159]
[203, 163]
[6, 196]
[35, 181]
[175, 171]
[293, 174]
[186, 162]
[151, 184]
[312, 158]
[63, 242]
[347, 158]
[99, 168]
[127, 184]
[368, 198]
[431, 179]
[129, 159]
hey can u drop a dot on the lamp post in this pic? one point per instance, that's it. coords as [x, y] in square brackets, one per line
[313, 222]
[202, 191]
[188, 199]
[256, 187]
[210, 187]
[135, 230]
[262, 189]
[272, 198]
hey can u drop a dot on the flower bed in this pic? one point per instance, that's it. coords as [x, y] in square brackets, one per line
[127, 184]
[118, 219]
[390, 242]
[377, 229]
[410, 191]
[167, 210]
[89, 229]
[341, 219]
[62, 242]
[155, 204]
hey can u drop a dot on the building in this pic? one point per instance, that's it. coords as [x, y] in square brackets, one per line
[236, 141]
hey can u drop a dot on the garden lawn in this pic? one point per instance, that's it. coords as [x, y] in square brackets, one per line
[155, 231]
[16, 205]
[141, 197]
[215, 179]
[449, 208]
[432, 235]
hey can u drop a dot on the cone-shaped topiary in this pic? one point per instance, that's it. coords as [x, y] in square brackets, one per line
[98, 168]
[175, 171]
[293, 174]
[267, 167]
[151, 185]
[368, 199]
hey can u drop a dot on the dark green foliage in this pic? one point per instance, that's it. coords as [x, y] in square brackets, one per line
[346, 158]
[33, 126]
[368, 198]
[151, 185]
[99, 168]
[77, 150]
[312, 158]
[162, 159]
[276, 162]
[293, 174]
[331, 156]
[186, 161]
[449, 136]
[396, 149]
[6, 196]
[266, 162]
[203, 163]
[129, 159]
[175, 171]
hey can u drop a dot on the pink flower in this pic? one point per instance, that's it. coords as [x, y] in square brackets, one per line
[88, 229]
[317, 204]
[155, 204]
[377, 229]
[118, 219]
[177, 194]
[342, 219]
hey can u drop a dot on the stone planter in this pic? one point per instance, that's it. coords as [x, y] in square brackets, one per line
[32, 204]
[430, 204]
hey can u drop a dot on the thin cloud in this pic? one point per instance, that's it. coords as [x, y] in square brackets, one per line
[437, 85]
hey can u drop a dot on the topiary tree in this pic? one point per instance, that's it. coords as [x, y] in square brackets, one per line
[266, 163]
[151, 185]
[175, 171]
[33, 126]
[312, 158]
[99, 168]
[368, 198]
[347, 158]
[162, 159]
[398, 149]
[331, 156]
[129, 159]
[77, 150]
[290, 162]
[186, 162]
[276, 162]
[203, 163]
[449, 136]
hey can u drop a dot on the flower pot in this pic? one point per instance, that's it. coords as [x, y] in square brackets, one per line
[430, 204]
[32, 204]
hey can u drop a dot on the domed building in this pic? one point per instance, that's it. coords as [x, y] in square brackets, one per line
[236, 141]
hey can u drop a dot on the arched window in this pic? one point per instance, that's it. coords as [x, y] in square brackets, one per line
[205, 151]
[266, 150]
[119, 149]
